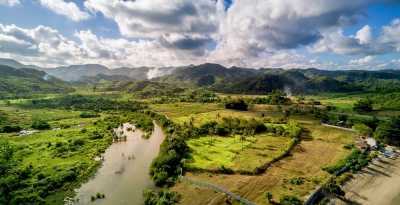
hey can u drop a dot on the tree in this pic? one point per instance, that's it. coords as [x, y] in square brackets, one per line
[363, 129]
[363, 105]
[332, 188]
[40, 125]
[237, 105]
[290, 200]
[268, 195]
[389, 131]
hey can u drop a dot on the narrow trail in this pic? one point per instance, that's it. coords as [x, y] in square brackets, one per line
[217, 189]
[337, 127]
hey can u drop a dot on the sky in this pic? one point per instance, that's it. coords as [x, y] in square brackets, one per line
[325, 34]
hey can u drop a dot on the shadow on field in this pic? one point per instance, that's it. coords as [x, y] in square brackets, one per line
[306, 135]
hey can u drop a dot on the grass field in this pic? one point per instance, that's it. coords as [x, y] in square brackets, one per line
[213, 152]
[24, 117]
[177, 110]
[60, 157]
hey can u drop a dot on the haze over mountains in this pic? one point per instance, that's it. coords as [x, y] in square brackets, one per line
[88, 72]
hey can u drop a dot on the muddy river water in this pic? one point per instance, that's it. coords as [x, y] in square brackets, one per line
[125, 170]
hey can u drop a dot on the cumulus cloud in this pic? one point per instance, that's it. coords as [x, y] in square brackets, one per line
[67, 9]
[39, 41]
[364, 35]
[10, 2]
[259, 28]
[184, 24]
[363, 43]
[362, 61]
[391, 34]
[251, 33]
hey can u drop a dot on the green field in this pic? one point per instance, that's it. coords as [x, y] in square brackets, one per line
[177, 110]
[214, 152]
[54, 160]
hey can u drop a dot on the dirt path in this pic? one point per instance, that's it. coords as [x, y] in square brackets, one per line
[379, 183]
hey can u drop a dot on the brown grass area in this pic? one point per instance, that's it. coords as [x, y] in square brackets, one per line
[323, 146]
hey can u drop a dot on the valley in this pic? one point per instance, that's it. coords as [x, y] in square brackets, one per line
[187, 141]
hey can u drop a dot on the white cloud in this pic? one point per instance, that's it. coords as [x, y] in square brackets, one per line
[391, 34]
[67, 9]
[260, 28]
[362, 44]
[362, 61]
[251, 33]
[143, 18]
[364, 35]
[183, 24]
[10, 2]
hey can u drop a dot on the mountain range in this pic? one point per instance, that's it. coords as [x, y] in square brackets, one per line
[93, 72]
[222, 79]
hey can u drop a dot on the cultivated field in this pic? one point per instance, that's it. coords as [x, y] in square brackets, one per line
[320, 146]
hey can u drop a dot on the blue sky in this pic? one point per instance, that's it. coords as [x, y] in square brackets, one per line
[178, 32]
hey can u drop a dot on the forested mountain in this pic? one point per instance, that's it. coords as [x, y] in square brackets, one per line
[230, 80]
[16, 64]
[259, 81]
[29, 81]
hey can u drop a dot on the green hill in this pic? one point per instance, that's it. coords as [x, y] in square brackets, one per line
[26, 81]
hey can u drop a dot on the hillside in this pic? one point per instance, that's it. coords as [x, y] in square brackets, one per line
[252, 81]
[29, 81]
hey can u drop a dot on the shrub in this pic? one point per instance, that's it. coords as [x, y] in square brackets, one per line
[290, 200]
[11, 128]
[268, 196]
[363, 105]
[163, 197]
[96, 135]
[225, 170]
[297, 181]
[88, 115]
[40, 125]
[236, 105]
[389, 131]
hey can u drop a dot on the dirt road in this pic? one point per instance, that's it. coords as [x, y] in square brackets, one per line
[379, 183]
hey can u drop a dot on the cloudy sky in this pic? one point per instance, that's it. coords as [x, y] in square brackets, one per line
[328, 34]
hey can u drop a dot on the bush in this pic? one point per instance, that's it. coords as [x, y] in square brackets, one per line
[389, 132]
[167, 166]
[225, 170]
[164, 197]
[10, 129]
[297, 181]
[236, 105]
[88, 115]
[96, 135]
[290, 200]
[40, 125]
[354, 162]
[363, 105]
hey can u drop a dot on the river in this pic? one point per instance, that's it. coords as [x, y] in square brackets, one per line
[124, 173]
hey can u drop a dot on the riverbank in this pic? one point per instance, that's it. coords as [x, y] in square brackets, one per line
[124, 174]
[378, 183]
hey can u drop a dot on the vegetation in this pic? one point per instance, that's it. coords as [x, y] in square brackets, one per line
[48, 140]
[236, 105]
[80, 102]
[363, 105]
[389, 131]
[168, 165]
[354, 162]
[27, 82]
[163, 197]
[290, 200]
